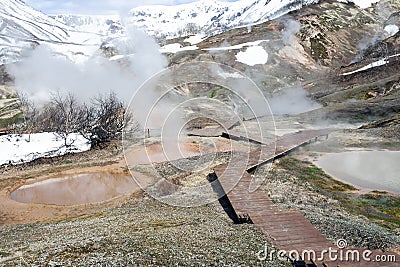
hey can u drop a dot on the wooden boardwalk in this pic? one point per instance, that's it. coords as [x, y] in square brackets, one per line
[214, 131]
[238, 137]
[206, 132]
[287, 229]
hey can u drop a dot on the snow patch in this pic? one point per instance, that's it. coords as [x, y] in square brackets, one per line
[195, 39]
[369, 66]
[18, 149]
[236, 47]
[253, 55]
[175, 48]
[226, 75]
[392, 29]
[375, 64]
[116, 57]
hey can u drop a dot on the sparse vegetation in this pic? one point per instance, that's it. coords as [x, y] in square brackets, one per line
[214, 93]
[318, 49]
[61, 116]
[189, 29]
[9, 122]
[379, 207]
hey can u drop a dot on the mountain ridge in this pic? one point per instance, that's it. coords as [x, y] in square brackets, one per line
[22, 27]
[209, 17]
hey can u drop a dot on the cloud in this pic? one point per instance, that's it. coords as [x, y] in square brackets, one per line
[94, 6]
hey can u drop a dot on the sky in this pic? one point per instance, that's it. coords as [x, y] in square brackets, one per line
[96, 6]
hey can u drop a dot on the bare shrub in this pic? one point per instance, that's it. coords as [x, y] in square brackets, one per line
[100, 121]
[109, 113]
[29, 114]
[61, 116]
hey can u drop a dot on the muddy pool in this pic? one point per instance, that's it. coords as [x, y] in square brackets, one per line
[75, 189]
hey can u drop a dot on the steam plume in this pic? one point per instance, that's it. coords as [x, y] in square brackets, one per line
[42, 72]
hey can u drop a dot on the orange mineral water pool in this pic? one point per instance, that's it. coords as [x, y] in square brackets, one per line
[75, 189]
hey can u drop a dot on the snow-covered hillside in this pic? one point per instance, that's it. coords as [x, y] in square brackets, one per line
[22, 22]
[22, 27]
[212, 16]
[79, 36]
[18, 149]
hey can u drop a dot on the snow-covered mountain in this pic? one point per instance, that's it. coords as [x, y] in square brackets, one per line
[108, 25]
[21, 22]
[79, 36]
[207, 16]
[210, 16]
[22, 27]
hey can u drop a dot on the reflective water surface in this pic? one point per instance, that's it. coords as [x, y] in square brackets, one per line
[75, 189]
[377, 170]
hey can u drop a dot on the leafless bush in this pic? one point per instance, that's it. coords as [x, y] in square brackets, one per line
[100, 121]
[61, 116]
[29, 114]
[108, 116]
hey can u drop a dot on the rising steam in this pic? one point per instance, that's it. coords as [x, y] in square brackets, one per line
[42, 72]
[292, 27]
[292, 101]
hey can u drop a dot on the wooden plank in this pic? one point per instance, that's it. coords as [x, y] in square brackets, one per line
[205, 132]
